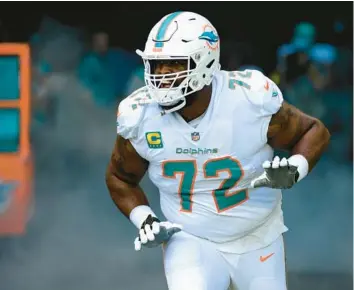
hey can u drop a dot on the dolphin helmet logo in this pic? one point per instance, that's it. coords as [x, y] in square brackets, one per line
[211, 37]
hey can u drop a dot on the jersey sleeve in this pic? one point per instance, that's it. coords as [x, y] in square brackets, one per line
[265, 97]
[130, 114]
[264, 94]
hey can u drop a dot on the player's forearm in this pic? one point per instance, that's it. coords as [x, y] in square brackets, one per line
[125, 196]
[312, 143]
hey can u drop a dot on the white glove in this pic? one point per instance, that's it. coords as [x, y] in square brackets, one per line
[277, 174]
[153, 233]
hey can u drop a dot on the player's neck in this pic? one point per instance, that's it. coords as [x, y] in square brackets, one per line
[198, 104]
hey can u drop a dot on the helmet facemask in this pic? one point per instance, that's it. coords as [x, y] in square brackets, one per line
[197, 74]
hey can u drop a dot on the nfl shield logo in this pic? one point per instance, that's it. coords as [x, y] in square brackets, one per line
[195, 136]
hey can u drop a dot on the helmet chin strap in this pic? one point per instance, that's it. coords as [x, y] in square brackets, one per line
[181, 103]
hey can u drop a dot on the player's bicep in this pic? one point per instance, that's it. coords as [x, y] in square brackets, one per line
[287, 127]
[126, 164]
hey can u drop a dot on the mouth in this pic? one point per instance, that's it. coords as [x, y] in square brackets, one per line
[165, 84]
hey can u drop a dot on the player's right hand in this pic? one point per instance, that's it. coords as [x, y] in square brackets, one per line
[153, 232]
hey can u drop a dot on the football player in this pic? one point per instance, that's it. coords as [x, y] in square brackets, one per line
[206, 138]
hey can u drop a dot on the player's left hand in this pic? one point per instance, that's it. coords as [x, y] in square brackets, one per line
[277, 174]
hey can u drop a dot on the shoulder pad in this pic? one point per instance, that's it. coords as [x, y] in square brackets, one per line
[131, 112]
[261, 92]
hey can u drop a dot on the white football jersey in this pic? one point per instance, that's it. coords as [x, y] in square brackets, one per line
[203, 171]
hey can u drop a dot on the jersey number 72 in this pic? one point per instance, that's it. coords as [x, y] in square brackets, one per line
[223, 197]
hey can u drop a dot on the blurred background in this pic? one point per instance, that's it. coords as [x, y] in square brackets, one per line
[59, 228]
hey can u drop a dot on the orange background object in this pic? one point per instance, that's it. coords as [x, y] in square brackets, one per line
[17, 167]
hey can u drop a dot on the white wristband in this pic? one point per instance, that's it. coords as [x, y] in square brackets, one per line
[301, 163]
[139, 214]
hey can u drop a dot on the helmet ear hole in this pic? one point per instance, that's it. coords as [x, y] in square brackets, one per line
[210, 63]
